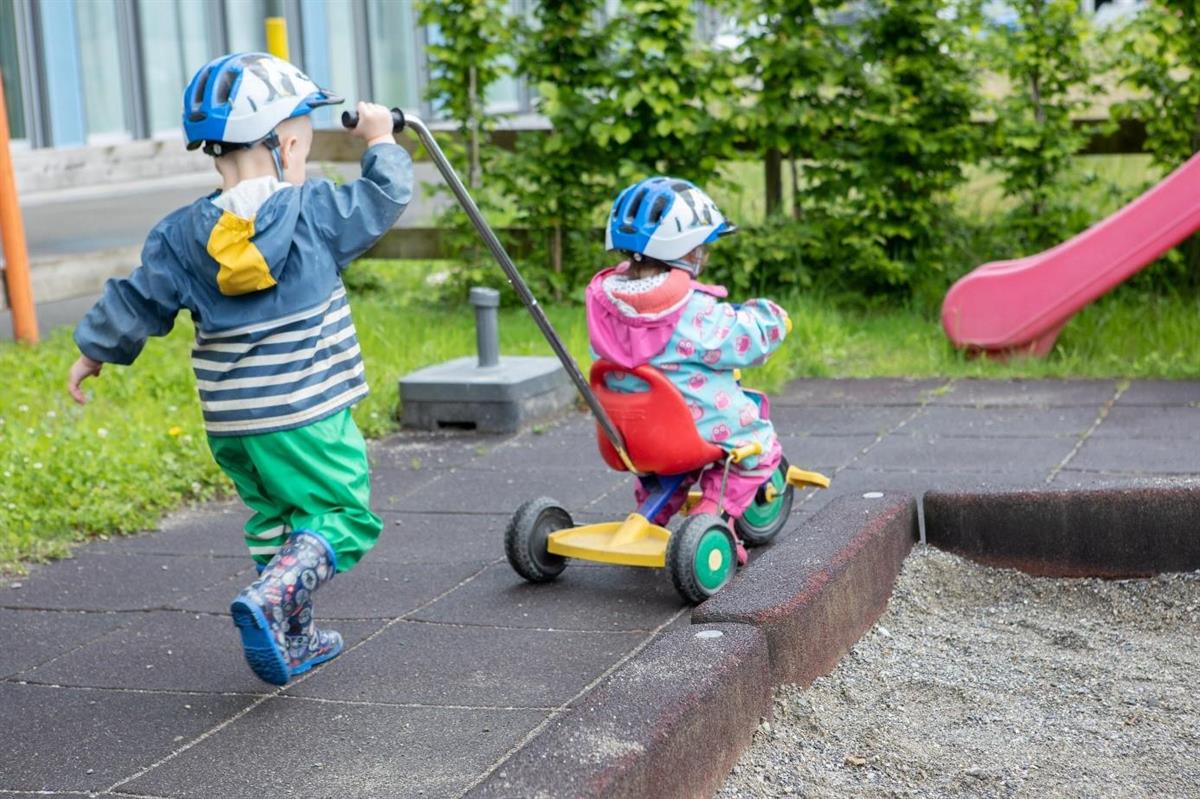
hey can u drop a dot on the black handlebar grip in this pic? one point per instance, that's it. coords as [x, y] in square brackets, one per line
[350, 120]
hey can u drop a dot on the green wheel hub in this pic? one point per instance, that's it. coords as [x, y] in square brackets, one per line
[714, 559]
[764, 514]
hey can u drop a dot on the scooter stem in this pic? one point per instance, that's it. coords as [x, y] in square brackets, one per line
[518, 284]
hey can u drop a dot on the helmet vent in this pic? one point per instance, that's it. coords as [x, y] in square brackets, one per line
[224, 87]
[635, 204]
[201, 85]
[681, 186]
[656, 210]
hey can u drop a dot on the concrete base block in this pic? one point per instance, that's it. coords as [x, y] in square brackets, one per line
[499, 399]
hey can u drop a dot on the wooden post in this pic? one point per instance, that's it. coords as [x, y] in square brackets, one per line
[12, 230]
[773, 166]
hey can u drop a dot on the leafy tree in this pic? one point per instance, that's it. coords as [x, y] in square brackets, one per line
[1044, 57]
[1158, 56]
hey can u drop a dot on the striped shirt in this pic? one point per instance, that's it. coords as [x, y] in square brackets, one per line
[280, 374]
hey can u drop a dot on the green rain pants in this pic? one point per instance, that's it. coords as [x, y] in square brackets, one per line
[309, 478]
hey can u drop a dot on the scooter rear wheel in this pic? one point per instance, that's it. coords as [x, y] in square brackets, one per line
[763, 520]
[525, 539]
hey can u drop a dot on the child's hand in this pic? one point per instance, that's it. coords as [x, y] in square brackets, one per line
[374, 124]
[82, 369]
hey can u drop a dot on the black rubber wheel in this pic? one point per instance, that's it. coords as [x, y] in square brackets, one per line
[525, 539]
[763, 520]
[701, 557]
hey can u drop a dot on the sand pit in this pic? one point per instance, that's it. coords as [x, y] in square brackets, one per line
[990, 683]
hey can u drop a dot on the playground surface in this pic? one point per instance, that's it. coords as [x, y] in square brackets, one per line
[121, 674]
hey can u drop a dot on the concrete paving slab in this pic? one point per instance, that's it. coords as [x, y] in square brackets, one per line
[438, 664]
[853, 391]
[819, 420]
[1139, 421]
[67, 739]
[1026, 393]
[118, 582]
[169, 651]
[33, 637]
[947, 454]
[1161, 392]
[1148, 456]
[360, 751]
[440, 537]
[477, 490]
[608, 598]
[1020, 422]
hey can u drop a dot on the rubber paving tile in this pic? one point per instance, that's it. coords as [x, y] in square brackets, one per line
[1021, 422]
[1162, 392]
[1149, 456]
[485, 491]
[1180, 423]
[169, 651]
[607, 598]
[819, 420]
[437, 664]
[873, 391]
[118, 582]
[361, 751]
[440, 537]
[1041, 393]
[214, 530]
[68, 739]
[950, 454]
[46, 634]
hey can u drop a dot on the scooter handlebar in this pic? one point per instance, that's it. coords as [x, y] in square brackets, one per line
[350, 120]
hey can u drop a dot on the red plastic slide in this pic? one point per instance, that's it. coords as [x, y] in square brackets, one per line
[1021, 305]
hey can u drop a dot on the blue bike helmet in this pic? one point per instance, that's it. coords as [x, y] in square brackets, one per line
[664, 218]
[236, 101]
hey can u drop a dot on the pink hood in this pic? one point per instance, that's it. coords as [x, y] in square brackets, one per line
[630, 328]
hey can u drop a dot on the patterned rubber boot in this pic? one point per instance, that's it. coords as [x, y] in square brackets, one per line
[263, 609]
[307, 644]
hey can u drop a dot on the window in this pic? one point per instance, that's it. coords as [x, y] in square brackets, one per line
[10, 66]
[176, 42]
[245, 26]
[393, 40]
[105, 95]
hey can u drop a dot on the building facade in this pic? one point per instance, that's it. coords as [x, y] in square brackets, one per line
[93, 72]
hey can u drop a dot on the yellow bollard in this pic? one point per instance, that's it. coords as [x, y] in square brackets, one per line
[277, 39]
[12, 231]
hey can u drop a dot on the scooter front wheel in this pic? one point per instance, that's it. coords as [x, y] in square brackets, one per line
[525, 539]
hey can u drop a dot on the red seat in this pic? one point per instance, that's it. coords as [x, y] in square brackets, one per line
[660, 434]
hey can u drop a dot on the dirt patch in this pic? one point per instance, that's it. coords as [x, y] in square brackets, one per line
[991, 683]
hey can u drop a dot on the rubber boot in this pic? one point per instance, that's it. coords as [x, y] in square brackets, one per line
[307, 644]
[263, 609]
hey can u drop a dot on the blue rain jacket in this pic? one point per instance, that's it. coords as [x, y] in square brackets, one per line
[275, 345]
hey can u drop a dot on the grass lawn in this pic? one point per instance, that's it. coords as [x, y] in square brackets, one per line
[138, 449]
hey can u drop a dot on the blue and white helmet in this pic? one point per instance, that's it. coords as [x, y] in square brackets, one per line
[237, 100]
[664, 218]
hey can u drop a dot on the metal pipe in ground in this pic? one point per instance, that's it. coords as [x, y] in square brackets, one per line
[12, 231]
[487, 326]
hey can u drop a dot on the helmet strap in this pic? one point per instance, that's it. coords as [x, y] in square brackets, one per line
[271, 140]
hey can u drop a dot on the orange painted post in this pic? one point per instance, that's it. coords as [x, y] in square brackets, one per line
[12, 231]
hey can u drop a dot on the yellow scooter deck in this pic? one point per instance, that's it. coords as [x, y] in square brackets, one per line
[633, 542]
